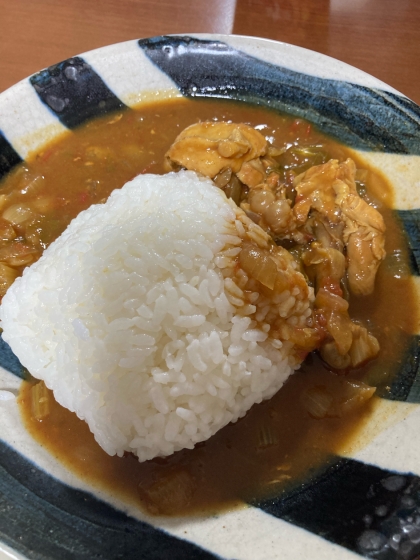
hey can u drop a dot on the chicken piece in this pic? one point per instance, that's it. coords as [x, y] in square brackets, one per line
[364, 232]
[331, 354]
[210, 147]
[338, 217]
[325, 266]
[329, 236]
[330, 189]
[314, 190]
[340, 326]
[364, 347]
[351, 344]
[252, 173]
[365, 252]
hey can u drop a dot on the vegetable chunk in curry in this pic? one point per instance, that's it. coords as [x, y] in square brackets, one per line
[336, 237]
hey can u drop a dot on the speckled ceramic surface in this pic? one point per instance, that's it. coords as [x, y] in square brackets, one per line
[367, 504]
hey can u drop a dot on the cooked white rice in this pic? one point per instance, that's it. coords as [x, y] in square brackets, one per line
[136, 319]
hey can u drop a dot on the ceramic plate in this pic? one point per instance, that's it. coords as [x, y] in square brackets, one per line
[367, 504]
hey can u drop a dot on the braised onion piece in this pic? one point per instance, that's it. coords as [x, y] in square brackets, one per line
[17, 214]
[349, 395]
[259, 265]
[40, 401]
[317, 401]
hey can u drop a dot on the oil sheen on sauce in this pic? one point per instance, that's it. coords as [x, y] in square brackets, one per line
[278, 444]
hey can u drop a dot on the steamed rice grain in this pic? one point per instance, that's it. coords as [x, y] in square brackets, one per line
[138, 319]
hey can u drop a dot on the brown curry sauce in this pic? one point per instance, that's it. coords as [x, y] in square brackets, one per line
[277, 444]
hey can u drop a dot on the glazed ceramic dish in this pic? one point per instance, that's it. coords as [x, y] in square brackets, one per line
[368, 503]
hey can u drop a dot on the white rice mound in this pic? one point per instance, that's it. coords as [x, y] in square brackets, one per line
[128, 318]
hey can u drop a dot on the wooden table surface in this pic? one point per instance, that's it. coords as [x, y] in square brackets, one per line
[381, 37]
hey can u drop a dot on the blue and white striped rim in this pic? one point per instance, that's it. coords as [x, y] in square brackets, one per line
[364, 505]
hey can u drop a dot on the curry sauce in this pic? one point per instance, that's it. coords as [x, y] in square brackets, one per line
[279, 443]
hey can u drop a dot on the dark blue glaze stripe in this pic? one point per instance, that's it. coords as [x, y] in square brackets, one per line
[74, 92]
[9, 361]
[45, 519]
[405, 385]
[368, 510]
[356, 115]
[410, 221]
[8, 156]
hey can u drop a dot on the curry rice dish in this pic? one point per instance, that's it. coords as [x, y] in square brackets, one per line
[181, 302]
